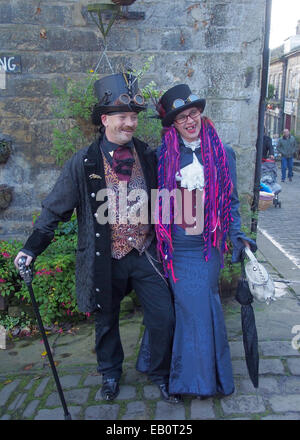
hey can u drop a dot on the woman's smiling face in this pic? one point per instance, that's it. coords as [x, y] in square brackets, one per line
[188, 124]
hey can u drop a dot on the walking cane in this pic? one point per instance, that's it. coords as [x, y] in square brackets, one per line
[27, 276]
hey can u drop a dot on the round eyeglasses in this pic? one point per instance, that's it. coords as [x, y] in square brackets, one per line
[180, 119]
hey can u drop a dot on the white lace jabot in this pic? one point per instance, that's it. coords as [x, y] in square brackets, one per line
[192, 176]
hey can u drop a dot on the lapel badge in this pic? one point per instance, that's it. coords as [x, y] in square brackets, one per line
[94, 176]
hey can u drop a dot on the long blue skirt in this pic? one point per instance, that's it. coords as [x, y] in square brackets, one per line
[201, 361]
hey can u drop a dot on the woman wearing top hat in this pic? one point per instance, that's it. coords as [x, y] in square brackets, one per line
[193, 160]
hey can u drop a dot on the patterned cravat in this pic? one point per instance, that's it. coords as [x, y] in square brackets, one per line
[122, 162]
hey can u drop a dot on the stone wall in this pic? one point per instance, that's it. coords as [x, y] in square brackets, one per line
[215, 46]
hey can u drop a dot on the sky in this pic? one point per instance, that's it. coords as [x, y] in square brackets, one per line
[284, 17]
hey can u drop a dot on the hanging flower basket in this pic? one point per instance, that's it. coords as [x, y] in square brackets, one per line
[5, 196]
[123, 2]
[5, 150]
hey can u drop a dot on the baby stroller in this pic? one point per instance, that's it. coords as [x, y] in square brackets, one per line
[268, 177]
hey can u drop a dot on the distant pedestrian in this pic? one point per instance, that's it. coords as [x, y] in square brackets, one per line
[287, 146]
[268, 150]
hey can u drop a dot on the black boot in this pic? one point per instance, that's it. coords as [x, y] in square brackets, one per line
[170, 398]
[110, 389]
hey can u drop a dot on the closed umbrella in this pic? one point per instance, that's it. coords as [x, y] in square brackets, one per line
[250, 340]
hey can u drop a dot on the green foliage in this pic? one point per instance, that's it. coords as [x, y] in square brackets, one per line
[54, 279]
[149, 128]
[271, 91]
[74, 105]
[77, 100]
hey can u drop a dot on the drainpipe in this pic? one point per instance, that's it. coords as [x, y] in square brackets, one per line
[284, 75]
[261, 116]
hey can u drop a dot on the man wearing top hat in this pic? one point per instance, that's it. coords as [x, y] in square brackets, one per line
[112, 258]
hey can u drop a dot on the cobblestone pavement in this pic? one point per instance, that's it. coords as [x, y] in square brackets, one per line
[28, 391]
[282, 225]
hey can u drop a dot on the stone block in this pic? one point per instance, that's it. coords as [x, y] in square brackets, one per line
[277, 348]
[294, 365]
[175, 40]
[92, 381]
[271, 366]
[70, 381]
[291, 385]
[78, 397]
[266, 385]
[41, 387]
[102, 412]
[7, 391]
[289, 416]
[280, 403]
[169, 411]
[202, 409]
[57, 413]
[18, 402]
[5, 12]
[242, 404]
[30, 409]
[135, 411]
[126, 392]
[151, 392]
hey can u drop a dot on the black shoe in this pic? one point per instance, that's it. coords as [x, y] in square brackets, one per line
[110, 389]
[282, 180]
[290, 179]
[170, 398]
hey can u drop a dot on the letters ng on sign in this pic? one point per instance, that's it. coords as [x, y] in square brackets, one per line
[10, 63]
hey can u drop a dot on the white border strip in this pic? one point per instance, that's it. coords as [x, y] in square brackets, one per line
[294, 260]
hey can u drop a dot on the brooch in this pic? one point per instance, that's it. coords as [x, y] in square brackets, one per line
[94, 176]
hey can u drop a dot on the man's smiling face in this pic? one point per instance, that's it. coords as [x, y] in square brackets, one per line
[120, 127]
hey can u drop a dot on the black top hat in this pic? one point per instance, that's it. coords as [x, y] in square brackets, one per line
[175, 100]
[110, 92]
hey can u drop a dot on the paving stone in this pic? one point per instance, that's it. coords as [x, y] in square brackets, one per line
[29, 385]
[239, 367]
[271, 366]
[6, 392]
[169, 411]
[6, 417]
[41, 388]
[291, 385]
[202, 409]
[57, 413]
[92, 381]
[290, 416]
[242, 404]
[102, 412]
[266, 385]
[18, 402]
[294, 366]
[134, 376]
[79, 396]
[236, 349]
[151, 392]
[30, 410]
[70, 381]
[289, 402]
[126, 392]
[277, 348]
[135, 411]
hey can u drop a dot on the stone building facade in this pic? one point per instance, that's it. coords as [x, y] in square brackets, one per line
[204, 43]
[284, 74]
